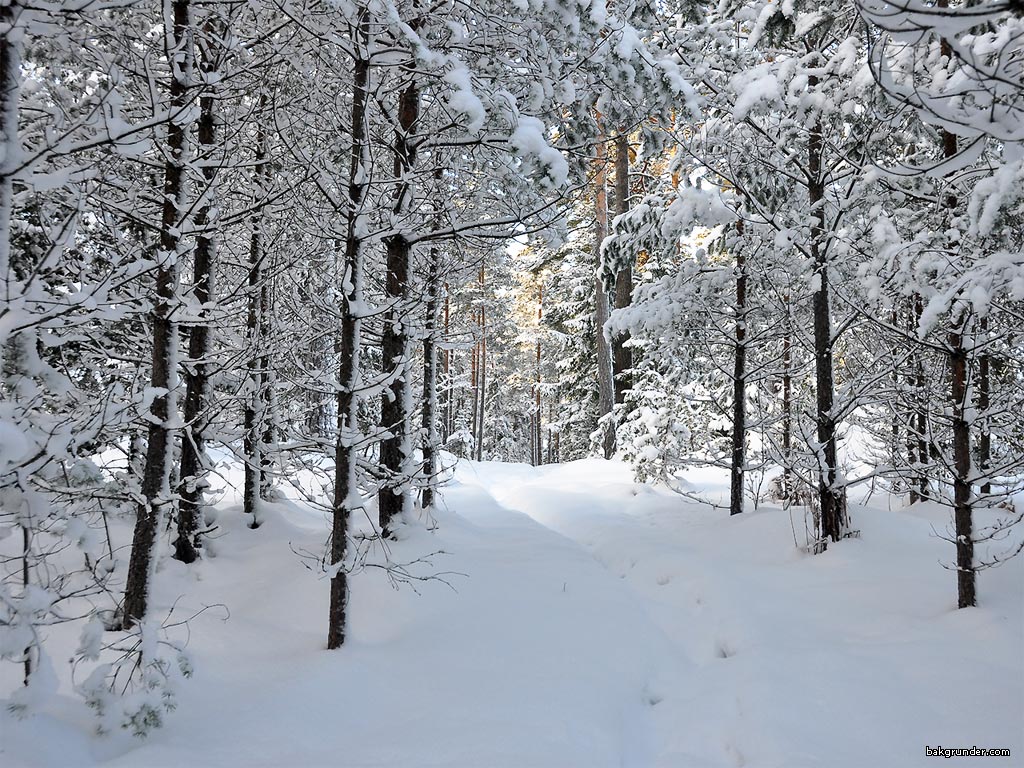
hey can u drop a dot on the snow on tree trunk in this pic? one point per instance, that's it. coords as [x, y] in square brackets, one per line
[605, 385]
[10, 149]
[447, 410]
[163, 416]
[918, 454]
[832, 498]
[254, 412]
[984, 403]
[538, 456]
[787, 401]
[429, 414]
[622, 357]
[197, 370]
[346, 447]
[396, 447]
[480, 402]
[739, 385]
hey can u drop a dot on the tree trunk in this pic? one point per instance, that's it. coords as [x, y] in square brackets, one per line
[551, 435]
[474, 377]
[962, 471]
[739, 385]
[896, 440]
[26, 571]
[446, 370]
[395, 413]
[918, 453]
[346, 445]
[253, 414]
[267, 391]
[984, 403]
[10, 150]
[396, 449]
[963, 512]
[429, 422]
[605, 384]
[832, 499]
[481, 401]
[538, 439]
[622, 357]
[197, 372]
[156, 490]
[787, 403]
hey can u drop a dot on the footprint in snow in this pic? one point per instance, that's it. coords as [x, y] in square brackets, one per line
[724, 650]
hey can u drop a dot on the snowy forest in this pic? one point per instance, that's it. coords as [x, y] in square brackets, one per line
[511, 383]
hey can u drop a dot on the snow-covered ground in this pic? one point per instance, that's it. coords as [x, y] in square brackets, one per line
[577, 620]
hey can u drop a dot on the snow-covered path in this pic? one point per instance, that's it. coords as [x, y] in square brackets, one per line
[590, 622]
[523, 663]
[856, 657]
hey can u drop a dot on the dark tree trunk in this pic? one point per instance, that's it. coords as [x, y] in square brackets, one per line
[537, 436]
[960, 400]
[429, 422]
[446, 369]
[896, 441]
[267, 397]
[551, 435]
[739, 385]
[962, 472]
[395, 413]
[197, 371]
[622, 358]
[346, 446]
[26, 571]
[474, 376]
[918, 453]
[832, 499]
[787, 403]
[254, 411]
[394, 416]
[10, 87]
[984, 403]
[605, 384]
[10, 92]
[535, 460]
[156, 490]
[481, 401]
